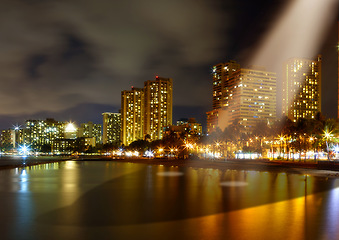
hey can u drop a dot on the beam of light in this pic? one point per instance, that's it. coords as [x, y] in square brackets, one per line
[298, 32]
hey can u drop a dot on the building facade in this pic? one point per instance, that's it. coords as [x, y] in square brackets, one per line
[251, 97]
[190, 125]
[8, 139]
[220, 74]
[91, 130]
[301, 88]
[42, 132]
[158, 106]
[111, 128]
[132, 115]
[246, 95]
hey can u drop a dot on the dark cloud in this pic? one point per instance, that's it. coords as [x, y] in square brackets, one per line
[53, 49]
[56, 55]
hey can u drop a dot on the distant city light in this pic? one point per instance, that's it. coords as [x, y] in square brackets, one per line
[70, 127]
[16, 127]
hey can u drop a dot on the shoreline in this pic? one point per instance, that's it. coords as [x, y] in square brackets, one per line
[314, 169]
[321, 168]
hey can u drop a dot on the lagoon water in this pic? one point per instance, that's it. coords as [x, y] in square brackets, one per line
[120, 200]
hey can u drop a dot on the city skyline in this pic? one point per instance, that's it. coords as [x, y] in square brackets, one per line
[77, 72]
[211, 119]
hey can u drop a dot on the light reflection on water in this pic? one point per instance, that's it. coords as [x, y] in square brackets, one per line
[204, 203]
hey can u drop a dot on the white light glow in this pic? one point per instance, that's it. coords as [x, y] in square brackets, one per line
[24, 150]
[70, 128]
[149, 153]
[299, 32]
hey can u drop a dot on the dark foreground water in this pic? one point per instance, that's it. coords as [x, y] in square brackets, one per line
[118, 200]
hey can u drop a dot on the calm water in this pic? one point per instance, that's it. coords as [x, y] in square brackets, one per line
[117, 200]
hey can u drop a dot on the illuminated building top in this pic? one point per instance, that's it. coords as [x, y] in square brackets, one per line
[302, 88]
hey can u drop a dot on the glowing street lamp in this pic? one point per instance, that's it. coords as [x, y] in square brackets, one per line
[281, 139]
[24, 150]
[327, 136]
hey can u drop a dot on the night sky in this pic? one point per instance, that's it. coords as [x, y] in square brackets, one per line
[71, 59]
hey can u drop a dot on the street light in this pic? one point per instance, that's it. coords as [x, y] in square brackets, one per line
[281, 139]
[327, 136]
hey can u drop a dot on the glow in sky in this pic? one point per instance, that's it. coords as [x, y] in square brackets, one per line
[298, 32]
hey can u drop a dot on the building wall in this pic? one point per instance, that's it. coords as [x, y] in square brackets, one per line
[301, 88]
[8, 139]
[132, 115]
[41, 132]
[247, 95]
[158, 106]
[91, 130]
[212, 120]
[111, 128]
[220, 74]
[257, 97]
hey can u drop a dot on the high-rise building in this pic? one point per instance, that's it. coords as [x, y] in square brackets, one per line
[251, 97]
[42, 132]
[91, 130]
[158, 106]
[301, 88]
[111, 128]
[7, 139]
[221, 72]
[247, 95]
[132, 115]
[11, 138]
[213, 119]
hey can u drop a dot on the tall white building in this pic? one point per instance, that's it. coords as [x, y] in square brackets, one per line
[247, 95]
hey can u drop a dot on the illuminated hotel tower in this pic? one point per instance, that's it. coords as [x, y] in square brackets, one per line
[251, 97]
[132, 115]
[111, 128]
[91, 130]
[220, 73]
[301, 88]
[158, 106]
[247, 95]
[41, 132]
